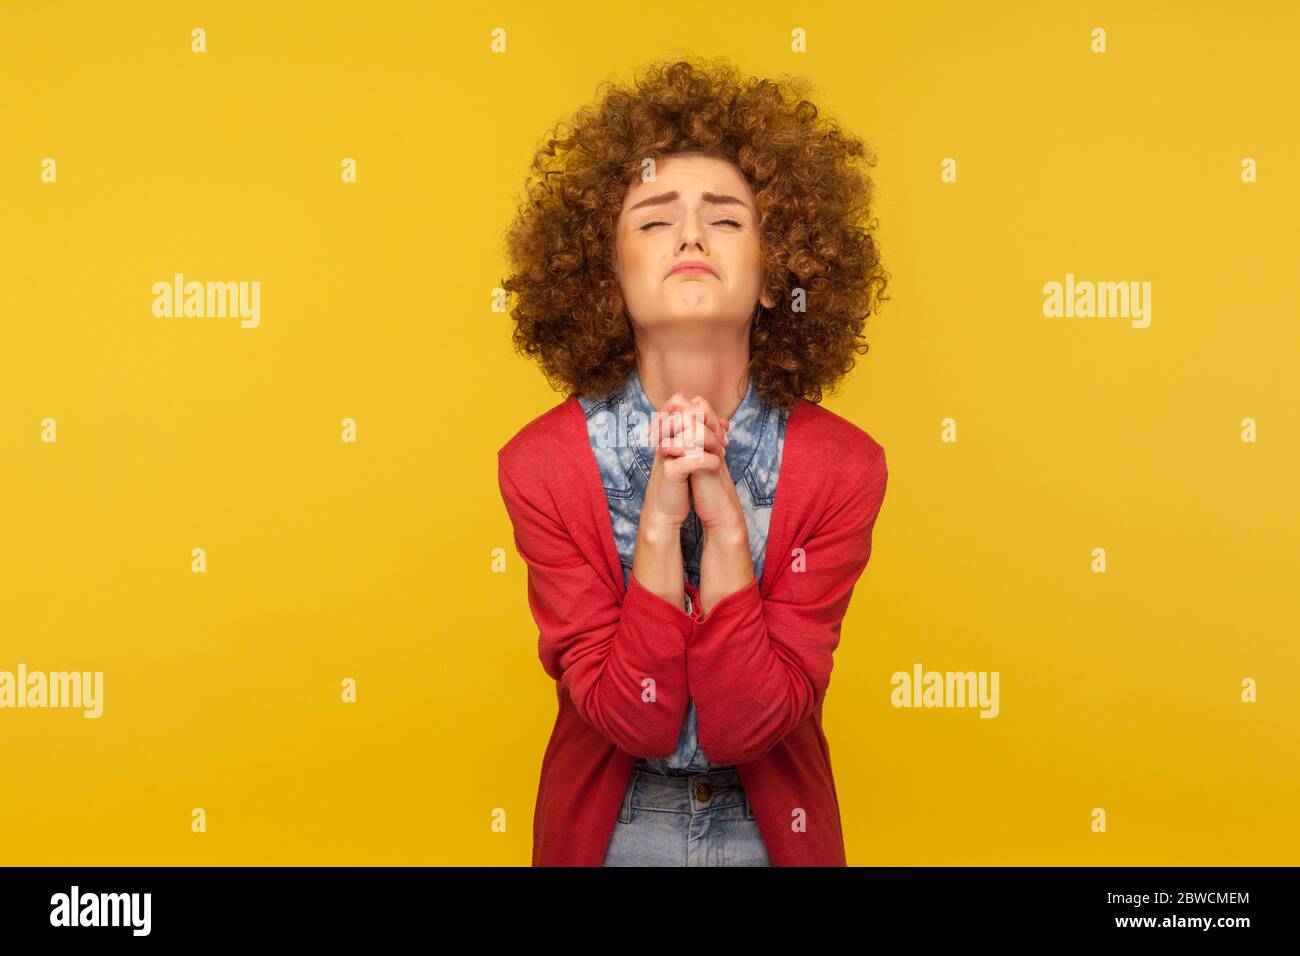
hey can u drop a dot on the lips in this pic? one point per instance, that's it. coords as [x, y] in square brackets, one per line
[692, 268]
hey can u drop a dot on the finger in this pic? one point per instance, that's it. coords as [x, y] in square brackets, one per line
[680, 403]
[702, 407]
[715, 424]
[710, 417]
[665, 426]
[709, 444]
[671, 450]
[676, 424]
[683, 443]
[680, 468]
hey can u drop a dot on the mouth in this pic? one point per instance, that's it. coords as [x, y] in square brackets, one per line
[692, 270]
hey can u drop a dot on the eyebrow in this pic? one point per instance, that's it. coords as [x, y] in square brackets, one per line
[717, 199]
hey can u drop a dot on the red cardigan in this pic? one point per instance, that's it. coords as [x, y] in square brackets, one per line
[757, 664]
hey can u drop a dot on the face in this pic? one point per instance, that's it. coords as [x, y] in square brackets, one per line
[699, 209]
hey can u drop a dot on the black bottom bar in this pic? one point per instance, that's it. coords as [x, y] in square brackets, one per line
[1169, 906]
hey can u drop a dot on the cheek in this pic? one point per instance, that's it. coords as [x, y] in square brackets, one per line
[745, 250]
[637, 261]
[753, 260]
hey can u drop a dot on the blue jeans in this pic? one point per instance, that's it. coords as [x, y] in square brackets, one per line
[701, 819]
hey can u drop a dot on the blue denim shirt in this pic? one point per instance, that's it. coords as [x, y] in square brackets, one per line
[617, 426]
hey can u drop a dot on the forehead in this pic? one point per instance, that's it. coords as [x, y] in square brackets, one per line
[690, 175]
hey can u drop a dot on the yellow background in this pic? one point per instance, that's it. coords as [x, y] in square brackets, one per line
[327, 560]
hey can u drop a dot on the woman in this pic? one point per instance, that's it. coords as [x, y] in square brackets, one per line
[694, 267]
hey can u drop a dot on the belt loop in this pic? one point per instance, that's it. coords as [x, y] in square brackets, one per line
[625, 811]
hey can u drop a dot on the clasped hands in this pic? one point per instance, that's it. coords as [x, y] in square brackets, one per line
[690, 444]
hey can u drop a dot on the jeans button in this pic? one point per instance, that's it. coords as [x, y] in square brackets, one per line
[703, 792]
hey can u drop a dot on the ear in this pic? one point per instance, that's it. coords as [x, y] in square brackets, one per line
[765, 300]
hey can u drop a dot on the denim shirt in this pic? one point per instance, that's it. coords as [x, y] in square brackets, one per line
[617, 425]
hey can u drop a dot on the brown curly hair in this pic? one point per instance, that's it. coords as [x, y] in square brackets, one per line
[814, 197]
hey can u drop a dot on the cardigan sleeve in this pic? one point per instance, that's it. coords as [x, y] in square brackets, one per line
[622, 662]
[759, 665]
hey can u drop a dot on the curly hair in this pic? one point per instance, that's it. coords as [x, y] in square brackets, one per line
[813, 190]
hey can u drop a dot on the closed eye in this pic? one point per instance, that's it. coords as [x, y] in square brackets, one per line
[719, 222]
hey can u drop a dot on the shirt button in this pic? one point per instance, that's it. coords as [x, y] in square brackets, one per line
[703, 792]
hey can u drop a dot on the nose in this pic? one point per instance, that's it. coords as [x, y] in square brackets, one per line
[692, 232]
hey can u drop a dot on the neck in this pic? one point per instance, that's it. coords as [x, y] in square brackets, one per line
[718, 369]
